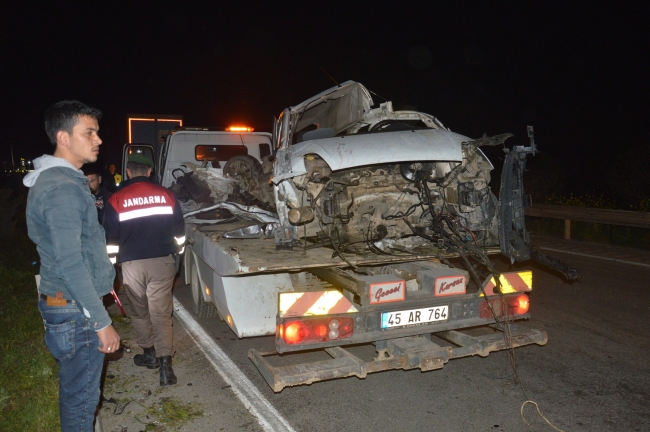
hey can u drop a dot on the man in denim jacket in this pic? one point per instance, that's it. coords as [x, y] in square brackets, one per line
[75, 269]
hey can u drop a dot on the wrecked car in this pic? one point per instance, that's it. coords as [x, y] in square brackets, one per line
[353, 177]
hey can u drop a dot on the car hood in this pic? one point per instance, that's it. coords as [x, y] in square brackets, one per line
[374, 148]
[337, 108]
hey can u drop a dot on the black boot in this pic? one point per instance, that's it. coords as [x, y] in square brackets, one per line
[167, 376]
[148, 359]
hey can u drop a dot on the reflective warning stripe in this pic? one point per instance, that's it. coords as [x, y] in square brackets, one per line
[510, 283]
[133, 214]
[314, 303]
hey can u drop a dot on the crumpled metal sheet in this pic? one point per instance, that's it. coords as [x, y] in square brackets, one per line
[406, 243]
[220, 185]
[240, 211]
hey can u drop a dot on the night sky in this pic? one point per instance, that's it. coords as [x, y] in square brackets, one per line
[577, 71]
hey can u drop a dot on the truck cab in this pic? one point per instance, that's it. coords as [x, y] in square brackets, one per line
[209, 146]
[200, 146]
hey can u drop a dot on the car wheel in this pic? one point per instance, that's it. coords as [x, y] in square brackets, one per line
[244, 168]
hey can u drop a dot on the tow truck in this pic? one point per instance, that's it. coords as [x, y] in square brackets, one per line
[345, 226]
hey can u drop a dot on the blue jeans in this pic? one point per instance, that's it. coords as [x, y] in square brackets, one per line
[74, 344]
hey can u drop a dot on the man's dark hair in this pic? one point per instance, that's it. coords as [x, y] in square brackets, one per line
[138, 169]
[92, 168]
[64, 115]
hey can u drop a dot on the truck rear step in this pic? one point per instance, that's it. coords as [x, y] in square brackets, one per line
[403, 353]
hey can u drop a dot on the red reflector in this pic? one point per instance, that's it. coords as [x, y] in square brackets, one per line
[508, 305]
[345, 330]
[315, 330]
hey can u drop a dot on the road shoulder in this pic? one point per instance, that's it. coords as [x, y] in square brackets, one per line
[603, 251]
[201, 401]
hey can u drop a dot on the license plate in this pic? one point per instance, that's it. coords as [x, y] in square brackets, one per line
[413, 317]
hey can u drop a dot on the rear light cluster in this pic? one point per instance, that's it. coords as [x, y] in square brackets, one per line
[316, 330]
[509, 305]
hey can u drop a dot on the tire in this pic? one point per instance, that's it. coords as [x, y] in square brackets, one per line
[244, 168]
[200, 307]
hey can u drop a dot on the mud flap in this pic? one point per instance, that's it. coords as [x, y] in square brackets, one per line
[402, 353]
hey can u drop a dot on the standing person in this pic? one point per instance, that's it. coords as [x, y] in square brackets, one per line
[101, 195]
[75, 270]
[115, 178]
[144, 224]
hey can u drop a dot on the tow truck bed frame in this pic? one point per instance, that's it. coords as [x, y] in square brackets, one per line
[401, 353]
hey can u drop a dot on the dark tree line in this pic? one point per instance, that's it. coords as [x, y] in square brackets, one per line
[625, 180]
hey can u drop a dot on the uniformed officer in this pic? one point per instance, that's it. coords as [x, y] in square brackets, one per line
[144, 226]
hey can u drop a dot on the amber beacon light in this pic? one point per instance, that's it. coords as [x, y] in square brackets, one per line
[239, 129]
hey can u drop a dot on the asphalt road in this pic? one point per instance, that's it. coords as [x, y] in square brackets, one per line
[593, 375]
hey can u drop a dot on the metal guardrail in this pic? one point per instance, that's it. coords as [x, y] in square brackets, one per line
[583, 214]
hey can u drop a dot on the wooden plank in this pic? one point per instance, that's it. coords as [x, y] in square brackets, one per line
[583, 214]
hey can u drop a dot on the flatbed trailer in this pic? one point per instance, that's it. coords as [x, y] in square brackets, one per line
[416, 311]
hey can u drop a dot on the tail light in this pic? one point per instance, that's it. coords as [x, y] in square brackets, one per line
[295, 332]
[510, 305]
[520, 305]
[315, 330]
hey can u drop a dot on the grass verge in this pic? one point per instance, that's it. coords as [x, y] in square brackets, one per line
[28, 372]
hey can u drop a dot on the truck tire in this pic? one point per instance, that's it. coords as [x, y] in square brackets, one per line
[244, 168]
[200, 307]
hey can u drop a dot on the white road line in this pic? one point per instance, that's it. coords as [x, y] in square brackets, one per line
[269, 418]
[596, 256]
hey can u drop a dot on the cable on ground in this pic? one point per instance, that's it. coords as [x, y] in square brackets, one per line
[538, 412]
